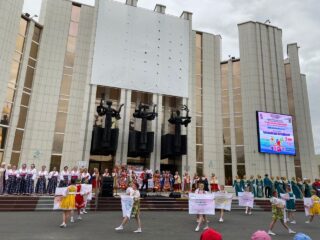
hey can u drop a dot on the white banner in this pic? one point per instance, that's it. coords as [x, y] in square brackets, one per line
[307, 202]
[141, 50]
[126, 204]
[201, 204]
[223, 200]
[87, 189]
[59, 195]
[246, 199]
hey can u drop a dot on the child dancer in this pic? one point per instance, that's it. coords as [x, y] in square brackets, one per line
[222, 190]
[277, 213]
[315, 208]
[201, 217]
[68, 203]
[80, 204]
[214, 187]
[248, 209]
[133, 192]
[291, 205]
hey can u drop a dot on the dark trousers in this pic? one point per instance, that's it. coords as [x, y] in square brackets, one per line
[144, 183]
[267, 191]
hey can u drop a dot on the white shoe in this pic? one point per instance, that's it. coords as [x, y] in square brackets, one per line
[293, 222]
[197, 229]
[307, 221]
[84, 211]
[63, 225]
[79, 217]
[81, 212]
[138, 230]
[246, 212]
[119, 228]
[291, 231]
[271, 233]
[250, 213]
[206, 227]
[221, 220]
[72, 220]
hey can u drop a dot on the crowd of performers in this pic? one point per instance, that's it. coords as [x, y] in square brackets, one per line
[264, 187]
[29, 180]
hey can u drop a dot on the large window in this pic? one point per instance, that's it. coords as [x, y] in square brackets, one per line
[65, 88]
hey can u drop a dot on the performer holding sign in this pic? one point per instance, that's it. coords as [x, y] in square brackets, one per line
[223, 201]
[135, 212]
[246, 199]
[278, 206]
[202, 217]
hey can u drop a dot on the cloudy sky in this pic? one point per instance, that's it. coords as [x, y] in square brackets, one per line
[299, 21]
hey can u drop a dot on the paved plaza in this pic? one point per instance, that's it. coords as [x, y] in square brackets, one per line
[156, 226]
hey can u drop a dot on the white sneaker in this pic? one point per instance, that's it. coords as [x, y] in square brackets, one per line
[79, 217]
[206, 227]
[293, 222]
[138, 230]
[291, 231]
[221, 220]
[271, 233]
[81, 212]
[63, 225]
[250, 213]
[307, 221]
[197, 229]
[84, 211]
[119, 228]
[72, 220]
[246, 212]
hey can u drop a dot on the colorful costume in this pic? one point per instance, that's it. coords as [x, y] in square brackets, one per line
[69, 201]
[11, 181]
[277, 209]
[41, 186]
[278, 184]
[156, 180]
[80, 203]
[259, 183]
[22, 181]
[186, 183]
[315, 208]
[64, 179]
[177, 183]
[2, 180]
[214, 184]
[167, 186]
[238, 187]
[123, 180]
[291, 202]
[296, 190]
[31, 176]
[307, 190]
[53, 182]
[251, 183]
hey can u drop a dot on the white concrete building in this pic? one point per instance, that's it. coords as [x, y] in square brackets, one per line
[48, 100]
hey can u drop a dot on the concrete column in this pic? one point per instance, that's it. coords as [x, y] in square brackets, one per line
[122, 151]
[156, 128]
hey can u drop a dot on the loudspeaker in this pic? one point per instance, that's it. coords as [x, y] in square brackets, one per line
[107, 187]
[175, 195]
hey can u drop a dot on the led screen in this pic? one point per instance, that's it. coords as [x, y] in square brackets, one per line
[275, 133]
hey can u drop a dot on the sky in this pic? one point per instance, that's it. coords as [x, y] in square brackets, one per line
[299, 21]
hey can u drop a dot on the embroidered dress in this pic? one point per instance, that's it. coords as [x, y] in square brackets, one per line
[69, 201]
[31, 176]
[85, 178]
[11, 181]
[75, 175]
[177, 183]
[156, 180]
[291, 203]
[186, 183]
[214, 187]
[41, 186]
[277, 209]
[259, 184]
[53, 182]
[315, 209]
[167, 186]
[237, 186]
[64, 179]
[80, 203]
[2, 180]
[296, 190]
[22, 181]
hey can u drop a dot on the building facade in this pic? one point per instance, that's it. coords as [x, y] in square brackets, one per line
[49, 105]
